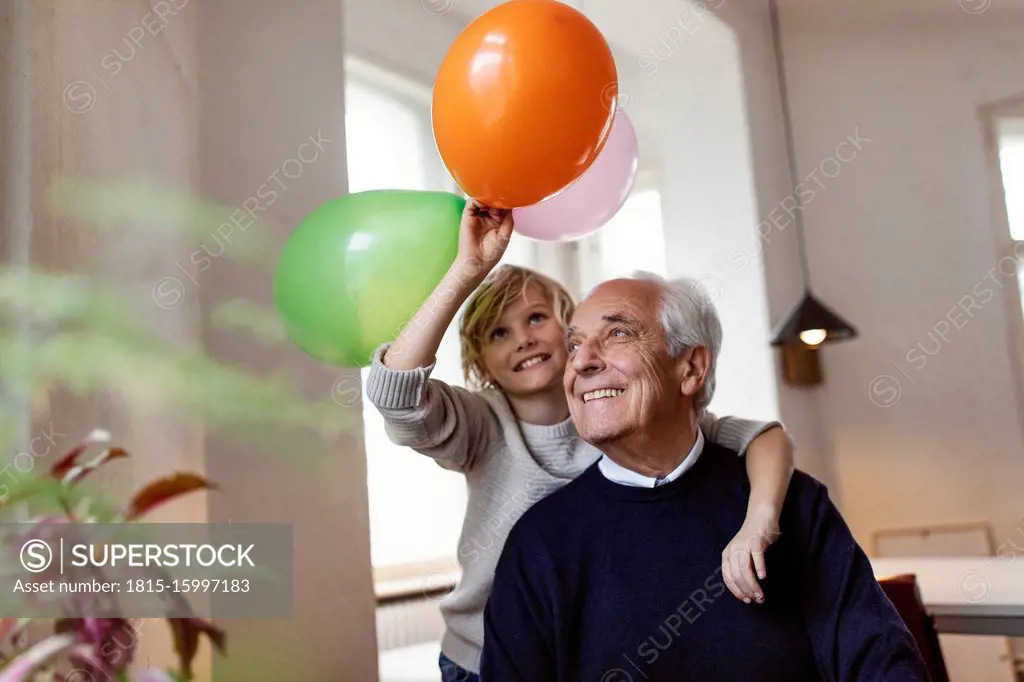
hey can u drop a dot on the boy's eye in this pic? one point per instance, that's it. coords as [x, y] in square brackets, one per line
[498, 334]
[537, 317]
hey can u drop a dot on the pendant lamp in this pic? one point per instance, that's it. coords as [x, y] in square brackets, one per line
[811, 323]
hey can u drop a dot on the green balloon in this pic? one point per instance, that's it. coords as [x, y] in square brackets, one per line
[358, 267]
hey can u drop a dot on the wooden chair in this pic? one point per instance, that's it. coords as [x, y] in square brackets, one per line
[906, 597]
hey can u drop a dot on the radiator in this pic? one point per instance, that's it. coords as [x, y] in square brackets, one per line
[409, 622]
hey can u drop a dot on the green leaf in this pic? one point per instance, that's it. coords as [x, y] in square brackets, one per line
[144, 204]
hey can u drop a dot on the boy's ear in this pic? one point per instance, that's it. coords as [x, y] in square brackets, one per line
[693, 368]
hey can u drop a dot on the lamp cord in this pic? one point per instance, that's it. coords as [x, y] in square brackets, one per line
[790, 147]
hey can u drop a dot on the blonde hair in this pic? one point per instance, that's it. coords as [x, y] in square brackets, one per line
[488, 303]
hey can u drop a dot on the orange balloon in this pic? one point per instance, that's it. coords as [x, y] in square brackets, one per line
[523, 102]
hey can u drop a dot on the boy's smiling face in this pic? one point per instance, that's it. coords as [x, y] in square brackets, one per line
[524, 352]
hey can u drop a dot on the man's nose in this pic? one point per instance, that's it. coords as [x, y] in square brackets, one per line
[587, 359]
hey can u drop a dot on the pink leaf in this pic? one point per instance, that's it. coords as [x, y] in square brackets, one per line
[10, 628]
[26, 665]
[110, 644]
[77, 473]
[68, 461]
[152, 675]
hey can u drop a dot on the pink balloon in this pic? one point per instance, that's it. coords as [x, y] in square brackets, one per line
[587, 204]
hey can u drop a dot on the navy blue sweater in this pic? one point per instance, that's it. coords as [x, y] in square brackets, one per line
[602, 582]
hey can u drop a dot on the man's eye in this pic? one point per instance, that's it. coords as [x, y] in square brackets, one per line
[572, 345]
[620, 332]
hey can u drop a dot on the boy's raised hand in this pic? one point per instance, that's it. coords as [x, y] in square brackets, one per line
[484, 234]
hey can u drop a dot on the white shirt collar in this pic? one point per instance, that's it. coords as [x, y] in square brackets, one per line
[620, 474]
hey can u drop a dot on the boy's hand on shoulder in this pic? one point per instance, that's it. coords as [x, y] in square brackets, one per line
[744, 555]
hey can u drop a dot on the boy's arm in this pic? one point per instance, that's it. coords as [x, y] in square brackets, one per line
[447, 423]
[769, 463]
[770, 469]
[484, 235]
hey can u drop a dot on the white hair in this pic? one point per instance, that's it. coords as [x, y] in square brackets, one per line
[690, 320]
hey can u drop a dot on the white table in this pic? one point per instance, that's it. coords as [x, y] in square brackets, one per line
[967, 595]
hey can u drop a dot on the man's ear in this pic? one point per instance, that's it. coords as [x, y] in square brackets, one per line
[693, 367]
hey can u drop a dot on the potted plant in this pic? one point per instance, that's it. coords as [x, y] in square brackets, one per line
[94, 649]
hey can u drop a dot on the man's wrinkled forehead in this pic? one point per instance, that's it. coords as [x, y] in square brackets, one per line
[616, 301]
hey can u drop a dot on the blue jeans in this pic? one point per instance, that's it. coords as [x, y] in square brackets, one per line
[451, 672]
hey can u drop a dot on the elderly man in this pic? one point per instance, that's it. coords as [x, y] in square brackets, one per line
[616, 577]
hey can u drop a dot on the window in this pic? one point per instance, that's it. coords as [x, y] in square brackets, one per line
[632, 240]
[1011, 167]
[1011, 161]
[384, 141]
[416, 507]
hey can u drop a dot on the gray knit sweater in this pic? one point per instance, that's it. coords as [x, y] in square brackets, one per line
[508, 465]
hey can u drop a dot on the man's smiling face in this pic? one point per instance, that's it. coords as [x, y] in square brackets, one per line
[620, 380]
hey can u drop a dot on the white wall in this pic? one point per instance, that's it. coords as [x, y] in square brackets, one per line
[408, 37]
[708, 202]
[897, 238]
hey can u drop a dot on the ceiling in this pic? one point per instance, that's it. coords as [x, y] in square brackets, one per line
[902, 10]
[626, 24]
[620, 20]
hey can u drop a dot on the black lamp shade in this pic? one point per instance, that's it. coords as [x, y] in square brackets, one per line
[812, 314]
